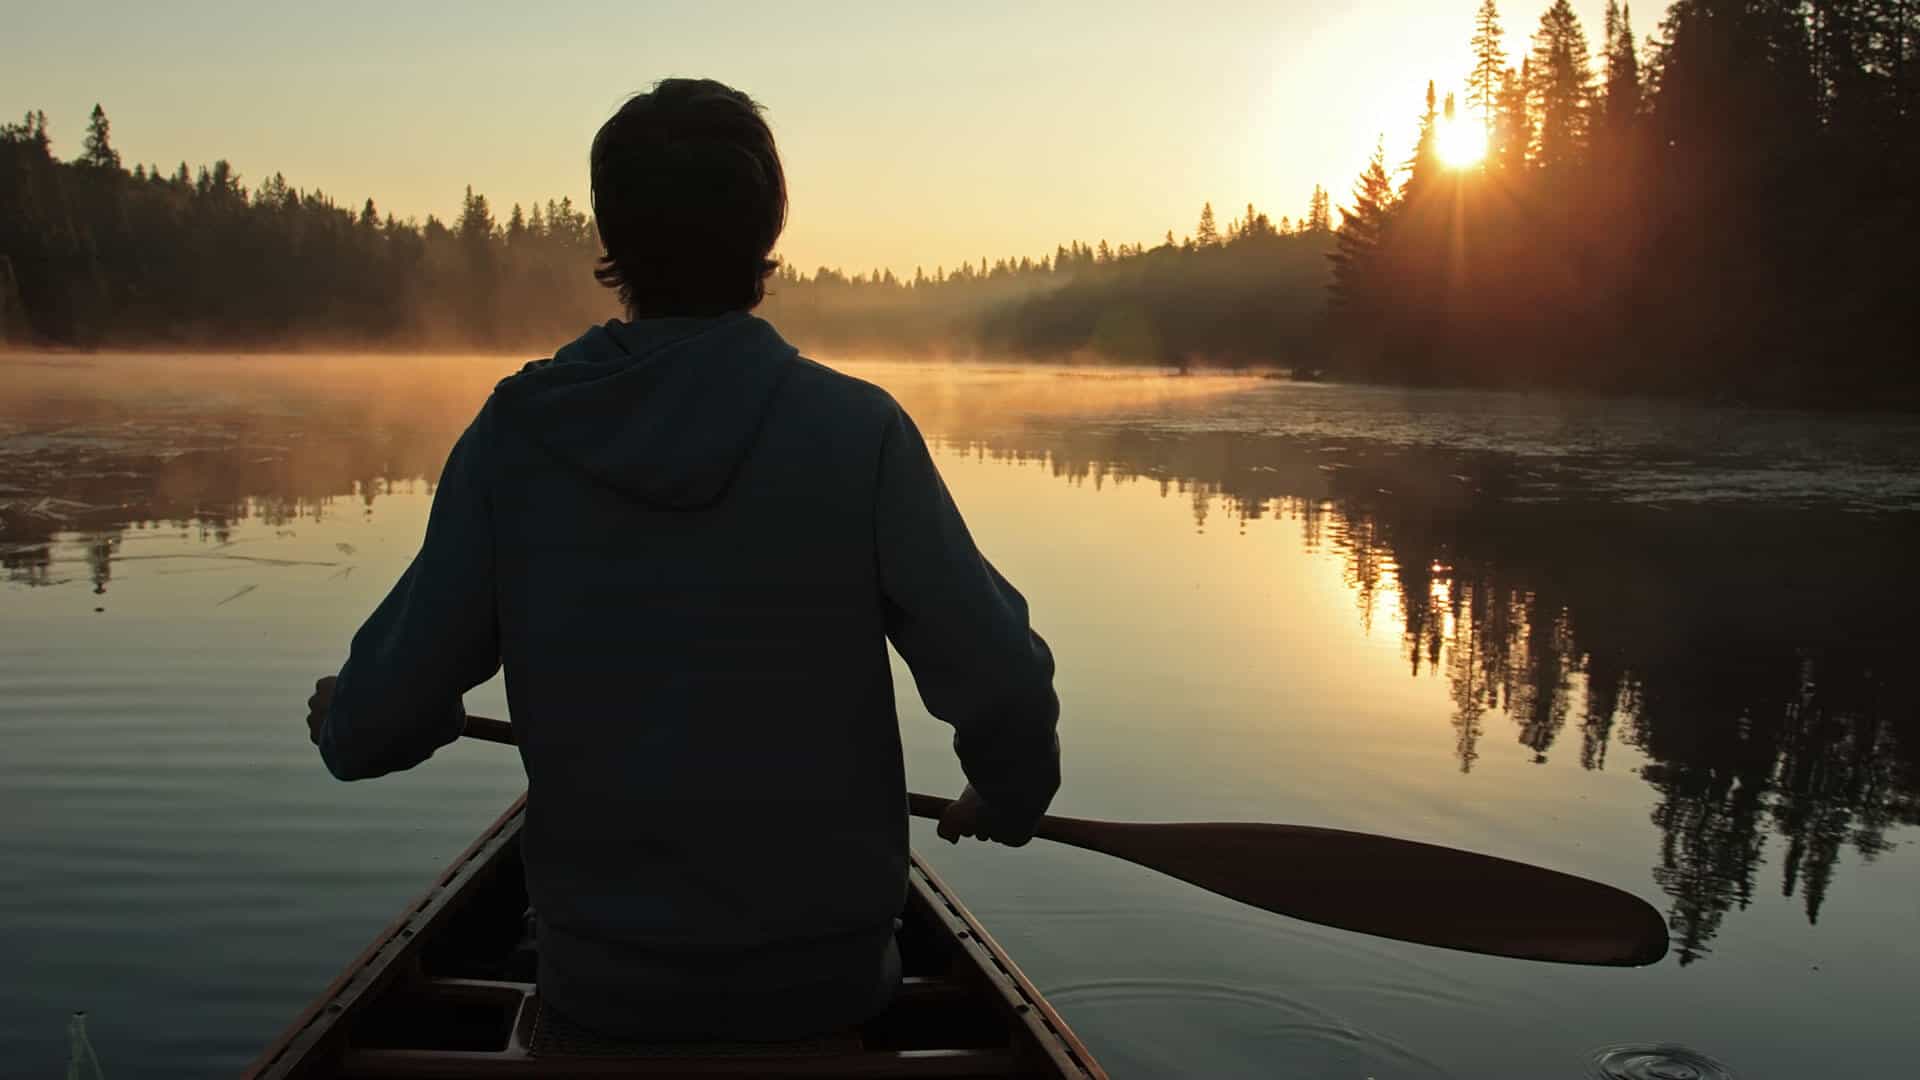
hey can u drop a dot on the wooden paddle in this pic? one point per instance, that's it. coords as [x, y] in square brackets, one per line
[1360, 881]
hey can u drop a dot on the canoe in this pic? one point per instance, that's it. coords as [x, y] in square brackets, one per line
[447, 991]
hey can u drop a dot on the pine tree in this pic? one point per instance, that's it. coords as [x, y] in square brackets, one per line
[1206, 234]
[97, 151]
[369, 218]
[1513, 126]
[476, 218]
[1562, 86]
[1425, 163]
[1489, 62]
[516, 226]
[31, 131]
[1623, 90]
[1319, 212]
[1356, 253]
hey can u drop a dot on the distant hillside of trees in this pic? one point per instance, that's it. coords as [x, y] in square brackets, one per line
[1730, 212]
[1727, 210]
[1250, 293]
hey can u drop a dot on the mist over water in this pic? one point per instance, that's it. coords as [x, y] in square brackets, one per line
[1661, 646]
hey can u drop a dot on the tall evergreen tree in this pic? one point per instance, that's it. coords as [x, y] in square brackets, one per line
[97, 150]
[1425, 163]
[1622, 101]
[1355, 288]
[1562, 87]
[1206, 234]
[476, 218]
[1489, 62]
[1319, 212]
[1512, 137]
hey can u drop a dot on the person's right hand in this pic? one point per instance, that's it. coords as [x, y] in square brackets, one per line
[318, 705]
[966, 816]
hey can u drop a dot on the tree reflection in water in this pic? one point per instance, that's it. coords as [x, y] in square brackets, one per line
[1752, 653]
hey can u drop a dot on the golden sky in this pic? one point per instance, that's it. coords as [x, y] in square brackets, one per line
[913, 134]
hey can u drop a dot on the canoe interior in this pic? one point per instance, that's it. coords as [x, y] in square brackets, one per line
[447, 991]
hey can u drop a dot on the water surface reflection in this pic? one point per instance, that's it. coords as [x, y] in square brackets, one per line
[1727, 595]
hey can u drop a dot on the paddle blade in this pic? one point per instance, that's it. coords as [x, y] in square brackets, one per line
[1391, 888]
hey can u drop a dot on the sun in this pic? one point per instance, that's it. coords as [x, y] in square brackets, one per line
[1462, 143]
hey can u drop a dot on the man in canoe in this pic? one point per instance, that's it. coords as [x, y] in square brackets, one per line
[689, 547]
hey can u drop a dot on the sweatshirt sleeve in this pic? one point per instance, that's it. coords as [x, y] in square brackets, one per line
[432, 639]
[963, 631]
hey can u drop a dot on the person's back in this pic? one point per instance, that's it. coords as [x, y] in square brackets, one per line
[688, 546]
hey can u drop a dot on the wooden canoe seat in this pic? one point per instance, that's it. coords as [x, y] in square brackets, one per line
[555, 1036]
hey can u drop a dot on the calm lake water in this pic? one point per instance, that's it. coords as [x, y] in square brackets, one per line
[1665, 647]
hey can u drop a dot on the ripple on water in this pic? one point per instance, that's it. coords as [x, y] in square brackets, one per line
[1663, 1061]
[1305, 1031]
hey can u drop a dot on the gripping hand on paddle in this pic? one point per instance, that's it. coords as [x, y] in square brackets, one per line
[317, 707]
[968, 816]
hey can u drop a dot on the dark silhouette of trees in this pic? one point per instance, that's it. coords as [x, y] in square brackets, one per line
[1729, 213]
[1732, 214]
[96, 254]
[1246, 294]
[97, 152]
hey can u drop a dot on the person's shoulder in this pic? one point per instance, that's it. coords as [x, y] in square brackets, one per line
[843, 393]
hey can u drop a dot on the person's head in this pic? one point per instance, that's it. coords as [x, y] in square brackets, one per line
[689, 197]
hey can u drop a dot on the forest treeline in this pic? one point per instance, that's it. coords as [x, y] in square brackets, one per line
[1250, 292]
[1729, 210]
[1725, 209]
[92, 253]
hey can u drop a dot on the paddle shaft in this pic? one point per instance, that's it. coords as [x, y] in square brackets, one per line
[1363, 882]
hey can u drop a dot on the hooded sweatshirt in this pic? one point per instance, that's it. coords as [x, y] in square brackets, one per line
[689, 546]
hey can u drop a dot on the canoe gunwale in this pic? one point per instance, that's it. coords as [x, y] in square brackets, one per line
[392, 951]
[312, 1045]
[1021, 999]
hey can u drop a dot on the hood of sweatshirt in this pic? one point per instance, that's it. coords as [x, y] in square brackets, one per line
[661, 410]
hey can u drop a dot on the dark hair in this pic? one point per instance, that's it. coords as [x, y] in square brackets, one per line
[689, 197]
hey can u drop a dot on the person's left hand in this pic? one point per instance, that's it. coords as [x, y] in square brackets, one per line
[317, 707]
